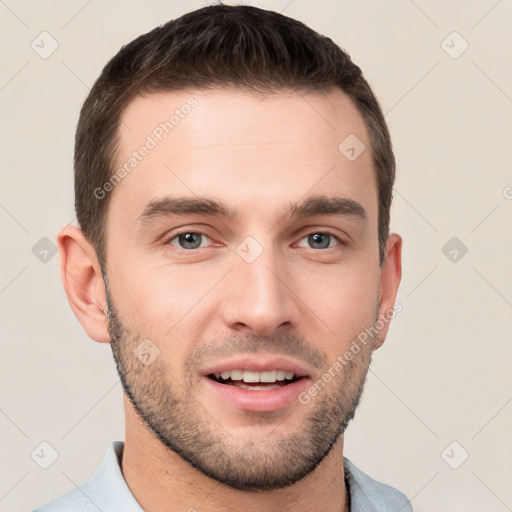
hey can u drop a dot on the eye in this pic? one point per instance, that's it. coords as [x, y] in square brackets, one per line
[188, 240]
[320, 240]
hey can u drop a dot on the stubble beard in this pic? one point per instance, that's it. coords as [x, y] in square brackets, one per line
[177, 419]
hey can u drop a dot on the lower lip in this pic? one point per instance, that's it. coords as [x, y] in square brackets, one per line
[258, 400]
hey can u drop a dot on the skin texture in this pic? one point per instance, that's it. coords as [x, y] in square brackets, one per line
[258, 154]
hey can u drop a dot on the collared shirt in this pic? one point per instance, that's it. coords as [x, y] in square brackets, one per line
[107, 491]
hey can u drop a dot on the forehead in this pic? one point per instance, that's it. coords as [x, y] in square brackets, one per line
[229, 116]
[243, 148]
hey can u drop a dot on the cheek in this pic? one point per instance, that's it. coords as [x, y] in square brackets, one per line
[343, 298]
[166, 307]
[158, 301]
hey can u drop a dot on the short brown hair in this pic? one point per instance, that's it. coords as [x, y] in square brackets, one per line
[238, 46]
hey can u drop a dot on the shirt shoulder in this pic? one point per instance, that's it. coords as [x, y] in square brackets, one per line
[74, 500]
[106, 490]
[369, 495]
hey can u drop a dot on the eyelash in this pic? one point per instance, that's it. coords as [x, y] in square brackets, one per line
[317, 232]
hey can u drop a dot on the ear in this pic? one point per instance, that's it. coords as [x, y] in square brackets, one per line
[81, 276]
[390, 275]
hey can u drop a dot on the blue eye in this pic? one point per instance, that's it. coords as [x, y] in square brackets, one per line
[320, 240]
[188, 240]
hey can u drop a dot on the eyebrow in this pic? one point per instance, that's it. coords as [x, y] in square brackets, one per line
[310, 207]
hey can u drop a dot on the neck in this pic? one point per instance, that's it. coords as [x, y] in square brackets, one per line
[160, 480]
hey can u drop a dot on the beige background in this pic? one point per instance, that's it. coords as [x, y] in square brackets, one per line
[443, 374]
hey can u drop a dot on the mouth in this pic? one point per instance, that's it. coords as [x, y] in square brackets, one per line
[255, 381]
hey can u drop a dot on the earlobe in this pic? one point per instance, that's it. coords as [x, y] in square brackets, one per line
[390, 276]
[83, 282]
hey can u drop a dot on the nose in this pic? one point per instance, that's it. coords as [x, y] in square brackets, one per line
[258, 297]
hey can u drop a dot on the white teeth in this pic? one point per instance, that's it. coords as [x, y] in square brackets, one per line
[250, 376]
[237, 374]
[268, 376]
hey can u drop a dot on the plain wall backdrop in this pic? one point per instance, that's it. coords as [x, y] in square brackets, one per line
[435, 419]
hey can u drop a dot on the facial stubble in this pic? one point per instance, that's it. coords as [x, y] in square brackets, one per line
[184, 425]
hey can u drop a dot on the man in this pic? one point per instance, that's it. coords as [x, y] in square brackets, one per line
[233, 180]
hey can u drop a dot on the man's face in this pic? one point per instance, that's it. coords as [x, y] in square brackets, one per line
[204, 305]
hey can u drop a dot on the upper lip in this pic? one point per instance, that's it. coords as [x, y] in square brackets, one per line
[256, 363]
